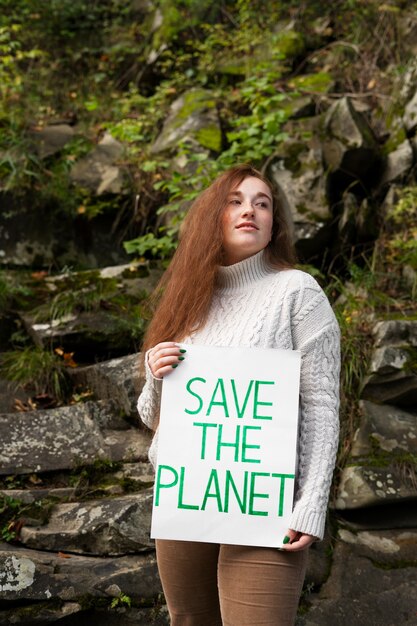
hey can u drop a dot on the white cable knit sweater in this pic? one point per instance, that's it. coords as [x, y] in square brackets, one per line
[258, 306]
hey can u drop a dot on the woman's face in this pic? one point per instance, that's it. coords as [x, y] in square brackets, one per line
[247, 220]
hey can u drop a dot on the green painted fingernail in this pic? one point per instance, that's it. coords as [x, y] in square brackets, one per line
[286, 539]
[181, 358]
[182, 350]
[175, 365]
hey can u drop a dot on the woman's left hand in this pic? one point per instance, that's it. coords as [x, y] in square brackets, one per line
[298, 541]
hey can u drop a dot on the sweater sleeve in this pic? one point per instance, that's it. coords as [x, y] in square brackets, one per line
[316, 334]
[150, 398]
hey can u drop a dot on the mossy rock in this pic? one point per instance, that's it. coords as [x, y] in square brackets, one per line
[193, 116]
[397, 137]
[320, 82]
[193, 102]
[288, 44]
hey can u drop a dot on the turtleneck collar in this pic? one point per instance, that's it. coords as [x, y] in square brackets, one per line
[245, 272]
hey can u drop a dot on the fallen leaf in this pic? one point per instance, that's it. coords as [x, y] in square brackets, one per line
[62, 555]
[35, 480]
[20, 406]
[39, 275]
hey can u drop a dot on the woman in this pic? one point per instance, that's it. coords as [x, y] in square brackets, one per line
[232, 283]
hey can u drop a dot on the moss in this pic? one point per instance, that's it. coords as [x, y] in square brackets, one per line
[411, 364]
[398, 461]
[194, 101]
[232, 67]
[288, 44]
[292, 152]
[396, 138]
[89, 602]
[321, 82]
[210, 137]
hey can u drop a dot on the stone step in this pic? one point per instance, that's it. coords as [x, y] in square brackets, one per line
[118, 380]
[367, 486]
[73, 614]
[105, 329]
[393, 548]
[110, 527]
[67, 437]
[123, 616]
[29, 496]
[31, 575]
[384, 430]
[39, 614]
[362, 593]
[131, 477]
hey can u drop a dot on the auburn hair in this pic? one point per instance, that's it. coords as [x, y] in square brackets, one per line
[182, 299]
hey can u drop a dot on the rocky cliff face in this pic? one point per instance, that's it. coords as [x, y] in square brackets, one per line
[75, 483]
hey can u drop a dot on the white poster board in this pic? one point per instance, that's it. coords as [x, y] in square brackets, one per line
[227, 446]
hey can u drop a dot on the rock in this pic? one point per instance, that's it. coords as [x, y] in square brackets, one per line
[360, 593]
[192, 116]
[28, 575]
[357, 221]
[9, 394]
[407, 35]
[398, 164]
[395, 332]
[394, 514]
[109, 527]
[302, 193]
[90, 335]
[39, 613]
[392, 378]
[93, 313]
[52, 139]
[317, 83]
[97, 171]
[388, 547]
[319, 562]
[129, 278]
[119, 380]
[29, 496]
[285, 45]
[141, 473]
[384, 428]
[122, 616]
[349, 147]
[410, 114]
[48, 238]
[64, 438]
[366, 486]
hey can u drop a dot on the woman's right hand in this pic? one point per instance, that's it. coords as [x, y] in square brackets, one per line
[164, 358]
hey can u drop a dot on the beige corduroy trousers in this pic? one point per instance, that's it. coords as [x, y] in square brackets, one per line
[207, 584]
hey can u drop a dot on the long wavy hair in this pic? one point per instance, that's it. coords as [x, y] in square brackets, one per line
[182, 298]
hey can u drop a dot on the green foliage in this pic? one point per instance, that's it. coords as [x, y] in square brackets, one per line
[12, 510]
[121, 600]
[40, 368]
[87, 478]
[9, 508]
[403, 241]
[149, 245]
[87, 295]
[11, 292]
